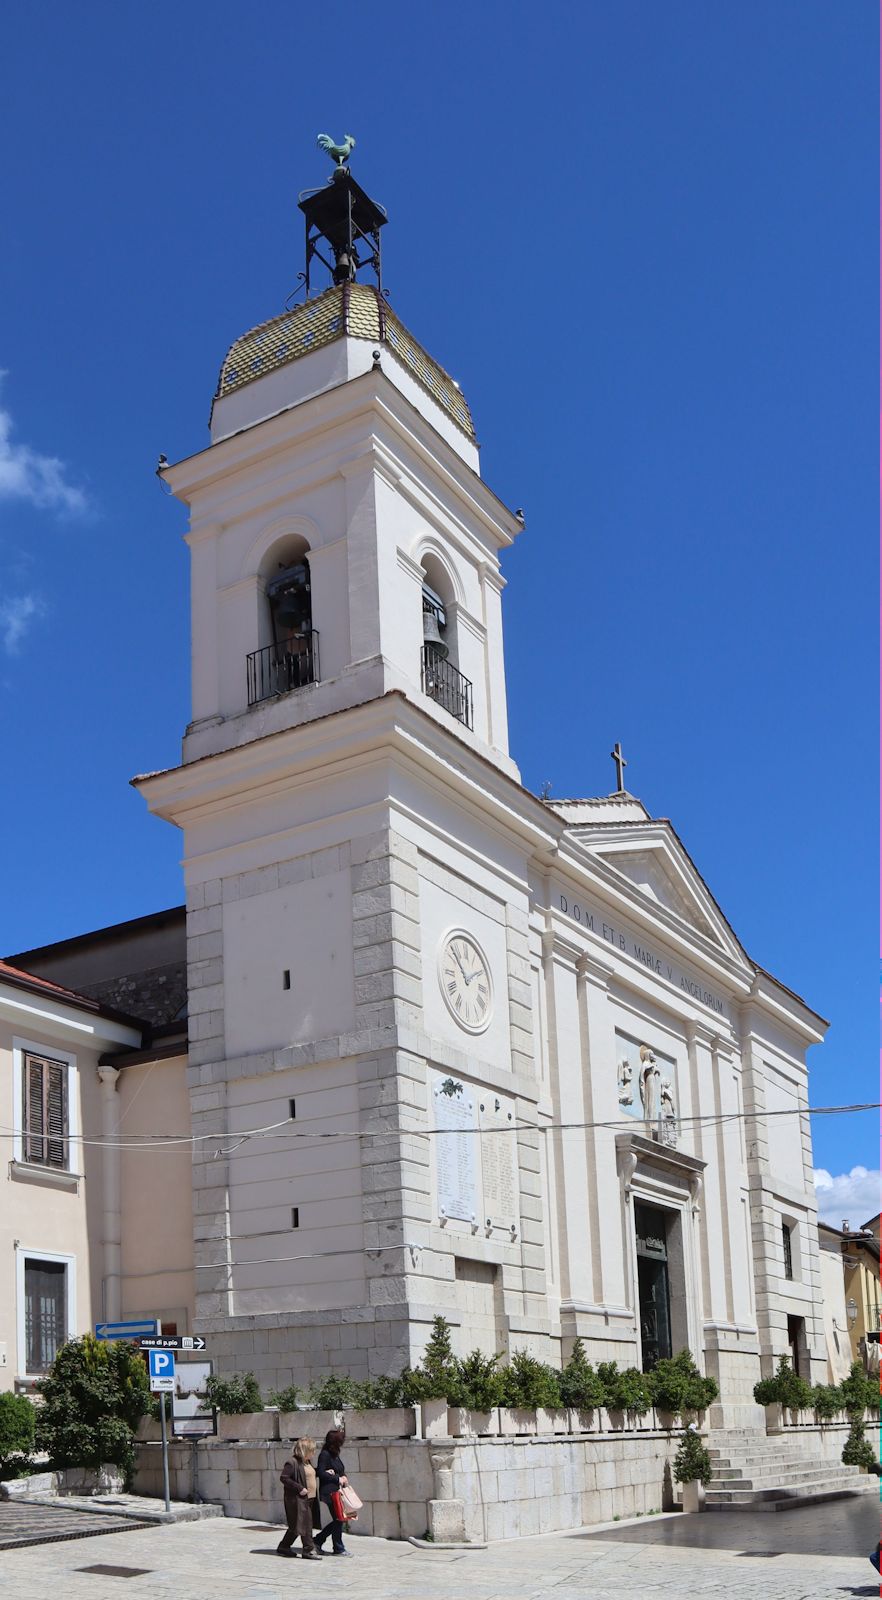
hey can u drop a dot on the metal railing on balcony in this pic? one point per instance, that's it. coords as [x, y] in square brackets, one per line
[278, 668]
[445, 684]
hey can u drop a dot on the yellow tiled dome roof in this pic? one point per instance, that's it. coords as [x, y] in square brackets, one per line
[356, 309]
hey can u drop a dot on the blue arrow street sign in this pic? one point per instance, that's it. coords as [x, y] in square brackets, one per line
[162, 1371]
[127, 1330]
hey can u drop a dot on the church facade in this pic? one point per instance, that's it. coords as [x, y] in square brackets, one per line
[452, 1047]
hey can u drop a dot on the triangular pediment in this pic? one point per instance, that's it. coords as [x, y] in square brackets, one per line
[652, 858]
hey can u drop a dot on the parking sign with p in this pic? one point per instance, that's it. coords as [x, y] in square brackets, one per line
[162, 1371]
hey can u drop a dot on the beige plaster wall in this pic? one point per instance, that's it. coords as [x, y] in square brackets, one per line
[37, 1211]
[156, 1194]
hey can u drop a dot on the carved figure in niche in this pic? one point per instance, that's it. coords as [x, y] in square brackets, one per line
[666, 1097]
[650, 1084]
[626, 1090]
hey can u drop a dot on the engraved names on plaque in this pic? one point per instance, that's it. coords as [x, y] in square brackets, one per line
[499, 1162]
[456, 1151]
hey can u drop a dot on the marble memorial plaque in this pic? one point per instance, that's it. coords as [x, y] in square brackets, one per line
[456, 1153]
[499, 1162]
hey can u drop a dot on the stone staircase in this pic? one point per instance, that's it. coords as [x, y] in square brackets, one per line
[762, 1473]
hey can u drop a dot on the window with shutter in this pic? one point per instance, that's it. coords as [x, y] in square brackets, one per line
[45, 1118]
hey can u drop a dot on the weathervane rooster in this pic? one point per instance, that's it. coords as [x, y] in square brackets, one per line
[339, 153]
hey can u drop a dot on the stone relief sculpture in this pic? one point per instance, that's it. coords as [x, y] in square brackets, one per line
[650, 1084]
[626, 1088]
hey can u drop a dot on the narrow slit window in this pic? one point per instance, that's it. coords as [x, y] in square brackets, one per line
[286, 978]
[292, 1110]
[295, 1216]
[787, 1242]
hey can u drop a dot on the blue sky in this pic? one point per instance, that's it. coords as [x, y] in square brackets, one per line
[643, 238]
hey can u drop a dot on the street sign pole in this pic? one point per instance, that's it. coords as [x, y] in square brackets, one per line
[164, 1451]
[161, 1366]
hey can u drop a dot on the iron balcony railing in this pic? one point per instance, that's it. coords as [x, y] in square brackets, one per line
[278, 668]
[445, 684]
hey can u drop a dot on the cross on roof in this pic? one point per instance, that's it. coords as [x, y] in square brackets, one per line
[621, 764]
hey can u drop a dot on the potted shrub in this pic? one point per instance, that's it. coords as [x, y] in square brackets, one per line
[434, 1380]
[692, 1468]
[239, 1404]
[626, 1393]
[581, 1390]
[380, 1411]
[528, 1388]
[678, 1388]
[826, 1401]
[474, 1396]
[785, 1390]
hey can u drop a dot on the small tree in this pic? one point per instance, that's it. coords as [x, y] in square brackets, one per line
[857, 1450]
[16, 1434]
[580, 1387]
[438, 1366]
[93, 1399]
[477, 1383]
[692, 1462]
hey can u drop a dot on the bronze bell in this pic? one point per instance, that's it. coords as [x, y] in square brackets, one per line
[432, 635]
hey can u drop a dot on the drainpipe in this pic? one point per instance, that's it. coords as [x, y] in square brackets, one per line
[110, 1167]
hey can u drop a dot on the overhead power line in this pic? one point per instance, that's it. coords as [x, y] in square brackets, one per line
[186, 1141]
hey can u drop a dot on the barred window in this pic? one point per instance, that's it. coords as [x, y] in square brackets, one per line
[45, 1287]
[44, 1111]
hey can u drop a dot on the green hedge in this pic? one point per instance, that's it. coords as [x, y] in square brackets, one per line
[477, 1382]
[856, 1394]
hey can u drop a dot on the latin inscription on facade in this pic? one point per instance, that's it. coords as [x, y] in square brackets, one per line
[628, 944]
[456, 1151]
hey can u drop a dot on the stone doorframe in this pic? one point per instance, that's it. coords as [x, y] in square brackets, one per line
[669, 1180]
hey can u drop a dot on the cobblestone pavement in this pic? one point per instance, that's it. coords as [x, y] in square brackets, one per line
[22, 1524]
[233, 1560]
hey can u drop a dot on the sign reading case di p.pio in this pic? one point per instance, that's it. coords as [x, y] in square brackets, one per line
[636, 949]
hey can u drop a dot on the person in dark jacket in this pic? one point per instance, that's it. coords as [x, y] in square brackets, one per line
[332, 1476]
[298, 1482]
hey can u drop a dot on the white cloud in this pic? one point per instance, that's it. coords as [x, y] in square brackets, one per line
[27, 475]
[16, 615]
[853, 1195]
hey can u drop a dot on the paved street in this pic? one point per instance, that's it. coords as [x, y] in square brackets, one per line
[802, 1555]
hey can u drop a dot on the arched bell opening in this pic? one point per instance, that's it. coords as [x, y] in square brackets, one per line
[288, 658]
[441, 678]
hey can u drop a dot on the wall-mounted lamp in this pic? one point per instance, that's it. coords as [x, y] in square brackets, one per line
[851, 1308]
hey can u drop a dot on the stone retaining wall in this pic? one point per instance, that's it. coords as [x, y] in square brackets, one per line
[483, 1488]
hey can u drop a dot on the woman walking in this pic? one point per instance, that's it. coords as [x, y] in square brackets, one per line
[331, 1477]
[298, 1481]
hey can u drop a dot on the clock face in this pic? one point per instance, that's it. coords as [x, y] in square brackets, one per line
[465, 982]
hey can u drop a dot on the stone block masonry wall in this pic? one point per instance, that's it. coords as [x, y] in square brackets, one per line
[300, 1321]
[500, 1488]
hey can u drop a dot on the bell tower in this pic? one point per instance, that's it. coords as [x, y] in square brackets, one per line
[343, 543]
[348, 738]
